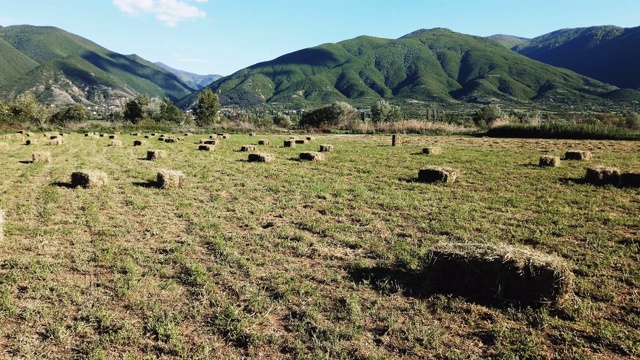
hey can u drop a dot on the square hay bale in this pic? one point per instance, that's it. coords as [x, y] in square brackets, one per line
[103, 135]
[89, 179]
[437, 174]
[309, 138]
[147, 136]
[311, 156]
[53, 137]
[498, 274]
[161, 139]
[432, 150]
[156, 154]
[187, 134]
[289, 143]
[58, 141]
[549, 160]
[31, 142]
[260, 157]
[301, 141]
[87, 134]
[602, 175]
[139, 143]
[93, 137]
[113, 137]
[226, 136]
[252, 134]
[213, 136]
[41, 157]
[135, 134]
[171, 140]
[577, 155]
[153, 134]
[264, 142]
[326, 148]
[210, 142]
[170, 179]
[116, 143]
[206, 147]
[630, 179]
[247, 148]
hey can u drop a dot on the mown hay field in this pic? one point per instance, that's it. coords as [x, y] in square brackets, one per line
[299, 259]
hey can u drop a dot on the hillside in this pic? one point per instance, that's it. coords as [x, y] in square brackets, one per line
[607, 53]
[510, 41]
[427, 65]
[194, 81]
[60, 68]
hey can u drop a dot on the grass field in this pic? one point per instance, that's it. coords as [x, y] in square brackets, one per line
[293, 259]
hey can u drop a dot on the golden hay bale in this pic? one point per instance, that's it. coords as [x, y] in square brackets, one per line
[41, 157]
[156, 154]
[31, 142]
[153, 134]
[213, 136]
[116, 143]
[309, 138]
[210, 142]
[311, 156]
[630, 179]
[602, 175]
[113, 136]
[289, 143]
[53, 137]
[206, 147]
[102, 135]
[252, 134]
[89, 179]
[264, 142]
[161, 138]
[301, 141]
[187, 134]
[437, 174]
[171, 140]
[577, 155]
[93, 137]
[139, 143]
[135, 134]
[170, 178]
[260, 157]
[498, 274]
[326, 148]
[247, 148]
[58, 141]
[432, 150]
[549, 160]
[88, 134]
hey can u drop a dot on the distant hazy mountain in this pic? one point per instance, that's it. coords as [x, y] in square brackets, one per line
[510, 41]
[193, 80]
[62, 68]
[427, 65]
[608, 53]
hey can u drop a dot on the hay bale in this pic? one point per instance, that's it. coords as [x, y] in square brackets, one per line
[139, 143]
[497, 274]
[116, 143]
[171, 140]
[247, 148]
[437, 174]
[156, 154]
[113, 137]
[93, 137]
[31, 142]
[602, 175]
[57, 141]
[549, 160]
[41, 157]
[213, 136]
[309, 138]
[153, 134]
[170, 178]
[432, 150]
[205, 147]
[260, 157]
[53, 137]
[210, 142]
[252, 134]
[630, 179]
[89, 179]
[577, 155]
[311, 156]
[301, 141]
[161, 139]
[326, 148]
[289, 143]
[147, 136]
[264, 142]
[102, 135]
[135, 134]
[187, 134]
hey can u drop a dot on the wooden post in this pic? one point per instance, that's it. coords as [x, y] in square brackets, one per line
[394, 140]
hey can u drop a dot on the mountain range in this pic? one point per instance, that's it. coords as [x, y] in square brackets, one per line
[570, 67]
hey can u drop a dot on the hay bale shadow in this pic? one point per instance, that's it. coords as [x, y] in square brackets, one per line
[408, 180]
[26, 162]
[62, 184]
[567, 181]
[391, 280]
[148, 184]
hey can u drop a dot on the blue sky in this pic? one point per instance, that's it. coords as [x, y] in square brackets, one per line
[221, 37]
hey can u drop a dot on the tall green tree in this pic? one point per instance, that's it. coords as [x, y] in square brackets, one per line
[27, 109]
[76, 113]
[170, 113]
[206, 109]
[382, 111]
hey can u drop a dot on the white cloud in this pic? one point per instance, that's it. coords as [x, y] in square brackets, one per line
[168, 12]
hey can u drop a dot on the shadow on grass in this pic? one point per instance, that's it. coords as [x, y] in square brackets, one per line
[567, 181]
[392, 280]
[409, 180]
[65, 185]
[26, 162]
[149, 184]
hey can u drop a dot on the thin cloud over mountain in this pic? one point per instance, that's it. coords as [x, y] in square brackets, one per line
[168, 12]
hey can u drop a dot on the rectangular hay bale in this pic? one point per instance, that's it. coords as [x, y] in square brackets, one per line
[432, 151]
[437, 174]
[577, 155]
[41, 157]
[602, 175]
[260, 157]
[139, 143]
[497, 274]
[548, 160]
[311, 156]
[326, 148]
[247, 148]
[156, 154]
[206, 147]
[89, 179]
[263, 142]
[170, 179]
